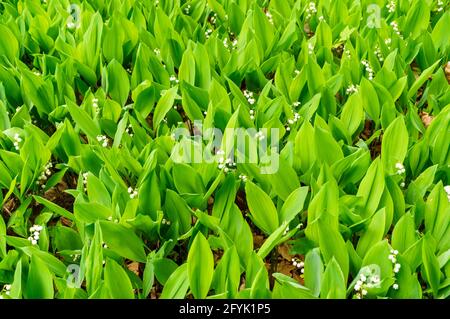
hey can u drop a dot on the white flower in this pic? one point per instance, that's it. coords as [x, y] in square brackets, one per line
[391, 6]
[269, 17]
[173, 78]
[17, 141]
[400, 168]
[447, 190]
[364, 292]
[103, 139]
[243, 177]
[368, 68]
[392, 259]
[133, 192]
[352, 89]
[310, 10]
[394, 26]
[395, 286]
[260, 135]
[310, 48]
[378, 53]
[225, 43]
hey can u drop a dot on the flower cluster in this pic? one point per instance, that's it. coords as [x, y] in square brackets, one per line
[165, 222]
[368, 68]
[440, 4]
[348, 54]
[157, 51]
[400, 168]
[292, 121]
[388, 42]
[367, 279]
[103, 139]
[7, 290]
[224, 163]
[243, 177]
[85, 176]
[260, 135]
[95, 105]
[173, 79]
[447, 191]
[213, 19]
[17, 140]
[252, 114]
[299, 264]
[249, 96]
[351, 89]
[394, 26]
[233, 43]
[393, 258]
[129, 130]
[391, 6]
[35, 231]
[378, 53]
[269, 17]
[208, 33]
[133, 192]
[187, 9]
[44, 174]
[311, 10]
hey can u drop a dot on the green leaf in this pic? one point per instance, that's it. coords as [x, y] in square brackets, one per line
[394, 145]
[424, 76]
[200, 263]
[332, 246]
[164, 105]
[117, 281]
[39, 284]
[371, 187]
[431, 271]
[118, 85]
[177, 285]
[115, 235]
[293, 204]
[373, 234]
[313, 272]
[82, 119]
[262, 209]
[333, 284]
[9, 46]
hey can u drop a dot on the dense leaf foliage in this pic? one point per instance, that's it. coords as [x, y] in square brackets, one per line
[97, 201]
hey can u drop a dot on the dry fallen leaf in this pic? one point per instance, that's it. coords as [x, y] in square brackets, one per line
[426, 118]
